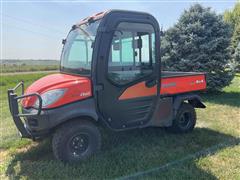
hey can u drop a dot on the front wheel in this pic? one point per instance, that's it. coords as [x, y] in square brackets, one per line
[76, 141]
[185, 119]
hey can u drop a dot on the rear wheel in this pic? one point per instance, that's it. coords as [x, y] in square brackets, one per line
[185, 119]
[76, 141]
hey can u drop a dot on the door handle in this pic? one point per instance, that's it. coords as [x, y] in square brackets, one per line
[151, 82]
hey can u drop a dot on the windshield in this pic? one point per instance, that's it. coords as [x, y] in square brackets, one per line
[77, 52]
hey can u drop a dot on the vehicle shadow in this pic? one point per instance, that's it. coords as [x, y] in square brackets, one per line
[124, 153]
[223, 98]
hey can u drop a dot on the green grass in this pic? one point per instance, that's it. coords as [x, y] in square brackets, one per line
[132, 151]
[28, 65]
[28, 68]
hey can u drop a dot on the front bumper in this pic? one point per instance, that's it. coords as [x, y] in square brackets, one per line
[24, 115]
[35, 123]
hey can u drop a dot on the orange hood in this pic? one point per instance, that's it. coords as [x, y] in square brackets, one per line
[76, 88]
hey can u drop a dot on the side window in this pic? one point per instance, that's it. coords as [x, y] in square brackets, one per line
[132, 53]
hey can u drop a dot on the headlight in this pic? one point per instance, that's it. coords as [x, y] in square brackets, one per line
[50, 97]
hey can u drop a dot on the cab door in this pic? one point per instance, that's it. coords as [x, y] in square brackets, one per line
[128, 73]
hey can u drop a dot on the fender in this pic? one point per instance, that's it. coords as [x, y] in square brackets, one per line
[81, 108]
[53, 117]
[192, 99]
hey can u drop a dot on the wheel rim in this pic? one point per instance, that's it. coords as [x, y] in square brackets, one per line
[78, 144]
[185, 119]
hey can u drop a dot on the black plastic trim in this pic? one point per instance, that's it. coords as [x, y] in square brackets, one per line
[177, 101]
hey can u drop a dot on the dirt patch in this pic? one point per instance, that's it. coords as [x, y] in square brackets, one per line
[3, 154]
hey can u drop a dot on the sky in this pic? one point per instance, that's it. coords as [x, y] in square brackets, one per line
[34, 29]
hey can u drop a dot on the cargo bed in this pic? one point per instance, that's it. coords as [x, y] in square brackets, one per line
[181, 82]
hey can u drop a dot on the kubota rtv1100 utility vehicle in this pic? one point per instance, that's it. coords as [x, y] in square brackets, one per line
[110, 74]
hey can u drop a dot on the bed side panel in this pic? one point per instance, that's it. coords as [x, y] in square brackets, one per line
[182, 84]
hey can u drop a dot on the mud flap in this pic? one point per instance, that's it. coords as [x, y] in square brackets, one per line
[192, 99]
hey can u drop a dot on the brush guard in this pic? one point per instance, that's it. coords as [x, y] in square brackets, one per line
[13, 100]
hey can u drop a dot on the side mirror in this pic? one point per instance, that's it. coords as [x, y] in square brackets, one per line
[64, 41]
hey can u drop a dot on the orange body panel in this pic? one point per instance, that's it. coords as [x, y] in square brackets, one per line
[138, 90]
[76, 88]
[169, 86]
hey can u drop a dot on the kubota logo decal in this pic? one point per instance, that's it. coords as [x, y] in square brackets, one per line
[83, 94]
[172, 84]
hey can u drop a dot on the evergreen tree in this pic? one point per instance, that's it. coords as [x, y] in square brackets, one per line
[199, 42]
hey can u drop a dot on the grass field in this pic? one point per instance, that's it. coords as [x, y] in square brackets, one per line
[216, 134]
[28, 68]
[28, 65]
